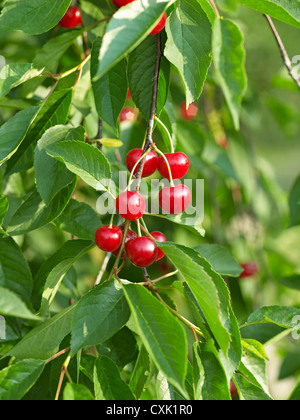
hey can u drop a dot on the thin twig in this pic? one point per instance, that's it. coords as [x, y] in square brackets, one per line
[64, 371]
[103, 268]
[214, 6]
[60, 353]
[286, 59]
[153, 109]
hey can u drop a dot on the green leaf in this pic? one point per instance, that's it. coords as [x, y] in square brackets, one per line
[229, 64]
[285, 10]
[3, 208]
[140, 374]
[77, 392]
[191, 221]
[79, 219]
[254, 369]
[114, 347]
[209, 375]
[52, 176]
[15, 273]
[161, 333]
[13, 131]
[17, 379]
[141, 65]
[12, 305]
[292, 282]
[110, 91]
[284, 316]
[54, 111]
[128, 27]
[189, 45]
[13, 75]
[254, 347]
[83, 160]
[248, 391]
[53, 271]
[294, 203]
[48, 56]
[34, 213]
[108, 382]
[99, 315]
[43, 341]
[295, 395]
[32, 16]
[220, 259]
[198, 276]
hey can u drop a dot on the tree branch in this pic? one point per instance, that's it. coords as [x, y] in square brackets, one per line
[153, 111]
[284, 54]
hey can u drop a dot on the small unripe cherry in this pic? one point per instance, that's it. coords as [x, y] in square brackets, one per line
[108, 238]
[179, 164]
[175, 200]
[130, 205]
[160, 26]
[142, 251]
[189, 113]
[250, 269]
[127, 114]
[72, 18]
[159, 237]
[150, 165]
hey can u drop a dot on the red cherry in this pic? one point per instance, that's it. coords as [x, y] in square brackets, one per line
[159, 237]
[130, 235]
[189, 113]
[250, 269]
[108, 238]
[179, 165]
[142, 251]
[130, 205]
[72, 18]
[175, 200]
[127, 114]
[121, 3]
[161, 24]
[150, 165]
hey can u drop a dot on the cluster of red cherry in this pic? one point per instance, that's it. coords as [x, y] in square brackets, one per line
[142, 251]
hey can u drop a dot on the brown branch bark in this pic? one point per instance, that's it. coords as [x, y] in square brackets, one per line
[153, 111]
[285, 57]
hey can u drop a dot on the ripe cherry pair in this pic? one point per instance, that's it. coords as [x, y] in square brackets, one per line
[172, 200]
[142, 251]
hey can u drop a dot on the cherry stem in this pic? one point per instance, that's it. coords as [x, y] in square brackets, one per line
[116, 264]
[167, 163]
[111, 220]
[168, 133]
[135, 166]
[191, 326]
[139, 228]
[165, 276]
[146, 231]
